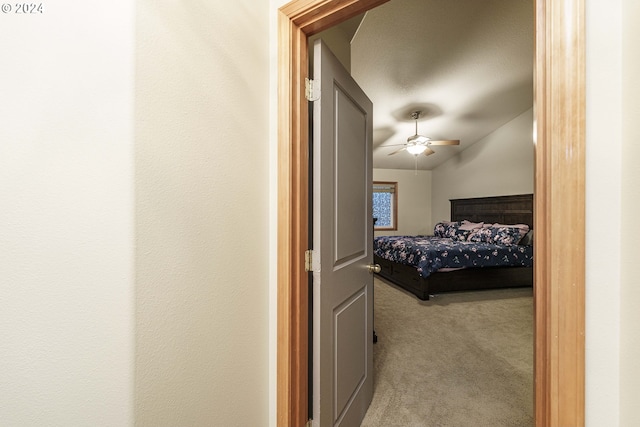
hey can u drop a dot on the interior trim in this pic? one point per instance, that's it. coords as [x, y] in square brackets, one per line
[559, 102]
[559, 221]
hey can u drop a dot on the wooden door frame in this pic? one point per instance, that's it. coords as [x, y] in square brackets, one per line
[559, 112]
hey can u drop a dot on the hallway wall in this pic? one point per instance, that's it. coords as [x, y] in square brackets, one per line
[66, 215]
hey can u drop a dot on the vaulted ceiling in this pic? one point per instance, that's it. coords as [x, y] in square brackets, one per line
[466, 64]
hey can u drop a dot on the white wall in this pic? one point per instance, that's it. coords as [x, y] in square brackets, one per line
[202, 204]
[603, 211]
[66, 215]
[613, 177]
[499, 164]
[338, 42]
[151, 310]
[414, 200]
[630, 268]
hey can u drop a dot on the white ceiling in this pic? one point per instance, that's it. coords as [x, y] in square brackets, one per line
[467, 64]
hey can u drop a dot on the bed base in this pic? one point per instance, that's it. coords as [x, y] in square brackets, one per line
[468, 279]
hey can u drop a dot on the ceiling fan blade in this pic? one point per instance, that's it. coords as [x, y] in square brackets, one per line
[397, 151]
[392, 145]
[429, 152]
[445, 142]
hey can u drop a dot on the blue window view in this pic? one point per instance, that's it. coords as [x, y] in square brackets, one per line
[382, 209]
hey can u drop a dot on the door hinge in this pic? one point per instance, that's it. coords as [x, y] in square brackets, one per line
[308, 260]
[311, 263]
[311, 89]
[309, 423]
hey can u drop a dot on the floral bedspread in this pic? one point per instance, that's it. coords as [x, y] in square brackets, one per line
[429, 254]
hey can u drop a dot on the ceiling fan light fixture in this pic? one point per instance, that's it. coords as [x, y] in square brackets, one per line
[416, 149]
[419, 144]
[418, 139]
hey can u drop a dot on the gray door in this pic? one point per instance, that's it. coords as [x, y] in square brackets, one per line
[342, 241]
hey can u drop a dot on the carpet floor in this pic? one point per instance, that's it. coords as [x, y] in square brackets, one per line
[459, 360]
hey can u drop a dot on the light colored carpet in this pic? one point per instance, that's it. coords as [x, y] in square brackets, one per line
[459, 360]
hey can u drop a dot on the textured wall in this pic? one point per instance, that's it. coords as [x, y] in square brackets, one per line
[66, 215]
[603, 210]
[630, 269]
[202, 213]
[339, 43]
[499, 164]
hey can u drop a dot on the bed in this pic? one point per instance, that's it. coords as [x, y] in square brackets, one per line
[413, 272]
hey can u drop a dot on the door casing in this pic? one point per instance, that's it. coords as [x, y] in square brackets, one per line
[559, 271]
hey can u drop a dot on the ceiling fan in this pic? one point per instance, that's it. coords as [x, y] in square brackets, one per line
[419, 144]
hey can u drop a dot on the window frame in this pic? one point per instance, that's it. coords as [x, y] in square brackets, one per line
[394, 203]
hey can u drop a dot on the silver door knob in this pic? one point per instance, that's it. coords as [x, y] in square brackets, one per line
[374, 268]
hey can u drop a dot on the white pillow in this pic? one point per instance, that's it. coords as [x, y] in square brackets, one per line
[468, 225]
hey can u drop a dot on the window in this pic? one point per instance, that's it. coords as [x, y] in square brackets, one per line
[385, 205]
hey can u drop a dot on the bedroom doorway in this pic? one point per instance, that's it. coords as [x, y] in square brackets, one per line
[559, 160]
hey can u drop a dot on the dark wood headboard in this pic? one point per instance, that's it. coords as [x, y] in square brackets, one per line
[517, 209]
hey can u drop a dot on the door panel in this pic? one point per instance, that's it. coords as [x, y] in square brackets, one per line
[350, 178]
[351, 350]
[342, 239]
